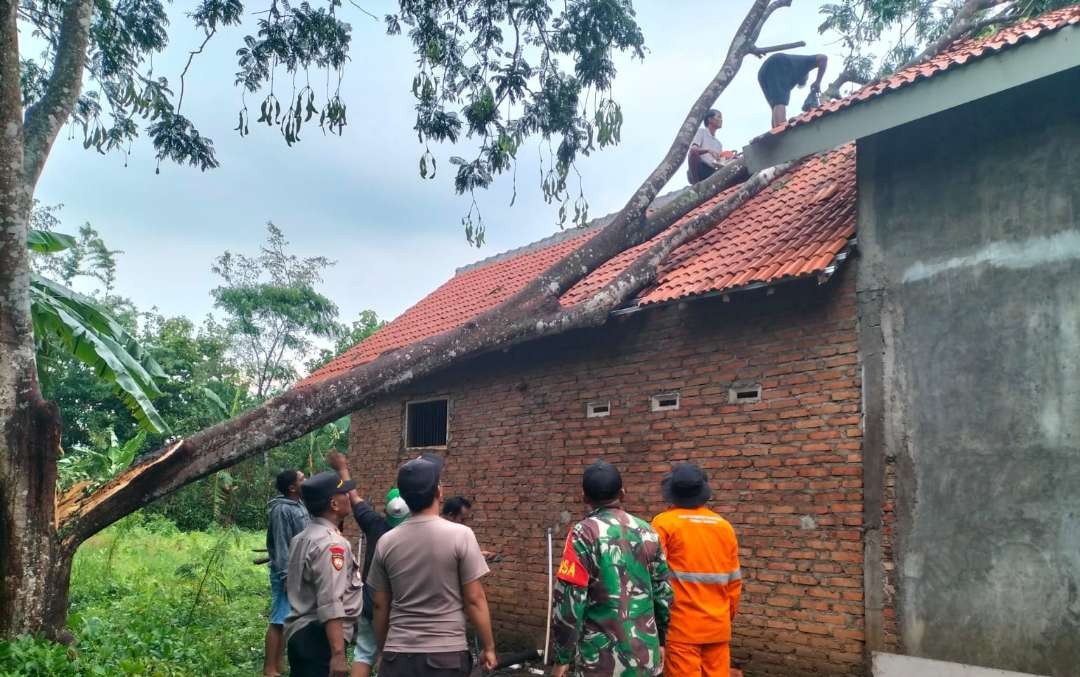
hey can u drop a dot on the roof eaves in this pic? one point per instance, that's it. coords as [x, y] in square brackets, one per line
[995, 72]
[823, 276]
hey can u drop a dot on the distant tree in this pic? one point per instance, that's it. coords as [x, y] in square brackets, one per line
[273, 310]
[362, 327]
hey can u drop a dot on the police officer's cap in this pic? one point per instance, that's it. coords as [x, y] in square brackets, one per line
[601, 481]
[322, 486]
[419, 477]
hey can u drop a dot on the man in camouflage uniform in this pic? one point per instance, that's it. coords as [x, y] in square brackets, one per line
[612, 597]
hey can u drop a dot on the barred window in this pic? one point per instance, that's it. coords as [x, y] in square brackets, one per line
[425, 423]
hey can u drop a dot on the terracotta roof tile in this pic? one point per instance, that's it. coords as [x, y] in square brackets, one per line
[793, 228]
[958, 54]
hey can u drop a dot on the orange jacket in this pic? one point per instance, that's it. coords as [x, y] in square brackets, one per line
[704, 559]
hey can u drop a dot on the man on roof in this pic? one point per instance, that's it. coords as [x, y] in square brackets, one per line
[781, 73]
[706, 152]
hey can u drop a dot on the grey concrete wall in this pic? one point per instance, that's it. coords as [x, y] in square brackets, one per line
[969, 231]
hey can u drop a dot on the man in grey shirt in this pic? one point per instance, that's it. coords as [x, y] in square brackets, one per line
[426, 579]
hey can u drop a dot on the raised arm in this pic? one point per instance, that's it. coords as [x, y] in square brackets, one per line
[337, 460]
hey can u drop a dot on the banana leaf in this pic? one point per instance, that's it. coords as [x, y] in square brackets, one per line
[48, 242]
[81, 328]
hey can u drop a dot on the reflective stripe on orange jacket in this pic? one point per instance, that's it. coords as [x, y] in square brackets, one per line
[704, 558]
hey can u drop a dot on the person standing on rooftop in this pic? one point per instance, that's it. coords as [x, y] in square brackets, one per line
[426, 579]
[781, 73]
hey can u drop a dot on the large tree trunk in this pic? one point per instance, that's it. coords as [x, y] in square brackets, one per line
[33, 568]
[35, 565]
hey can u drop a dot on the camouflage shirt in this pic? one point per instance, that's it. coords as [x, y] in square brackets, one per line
[612, 597]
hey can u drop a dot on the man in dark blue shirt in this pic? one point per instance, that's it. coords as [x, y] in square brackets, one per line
[781, 73]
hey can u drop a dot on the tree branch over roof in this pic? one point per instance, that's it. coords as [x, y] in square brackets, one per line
[762, 51]
[963, 22]
[533, 313]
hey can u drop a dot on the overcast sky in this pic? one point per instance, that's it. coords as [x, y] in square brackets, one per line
[358, 198]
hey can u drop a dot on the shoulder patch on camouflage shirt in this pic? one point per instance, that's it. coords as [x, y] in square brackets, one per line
[571, 570]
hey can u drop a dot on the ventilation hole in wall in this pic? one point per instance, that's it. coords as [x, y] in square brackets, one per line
[597, 409]
[744, 395]
[664, 402]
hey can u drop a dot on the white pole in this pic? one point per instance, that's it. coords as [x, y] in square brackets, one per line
[547, 635]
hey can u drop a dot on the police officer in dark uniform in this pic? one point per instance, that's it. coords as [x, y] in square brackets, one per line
[323, 582]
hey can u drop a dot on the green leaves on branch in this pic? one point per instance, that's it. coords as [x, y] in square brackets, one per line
[504, 72]
[74, 324]
[95, 465]
[47, 242]
[881, 36]
[297, 305]
[274, 311]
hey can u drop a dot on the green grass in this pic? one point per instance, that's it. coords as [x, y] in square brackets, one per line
[149, 600]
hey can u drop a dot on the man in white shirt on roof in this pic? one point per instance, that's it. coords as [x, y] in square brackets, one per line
[706, 152]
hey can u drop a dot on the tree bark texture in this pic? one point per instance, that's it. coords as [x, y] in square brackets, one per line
[41, 532]
[34, 565]
[32, 599]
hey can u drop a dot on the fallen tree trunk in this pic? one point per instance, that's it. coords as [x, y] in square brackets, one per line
[35, 594]
[296, 412]
[532, 313]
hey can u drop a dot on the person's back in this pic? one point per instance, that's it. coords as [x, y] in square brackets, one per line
[703, 556]
[425, 580]
[624, 550]
[424, 563]
[612, 596]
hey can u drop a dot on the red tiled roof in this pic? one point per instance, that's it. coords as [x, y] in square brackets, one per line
[958, 54]
[793, 228]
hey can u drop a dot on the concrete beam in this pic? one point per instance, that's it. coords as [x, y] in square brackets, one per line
[984, 77]
[891, 665]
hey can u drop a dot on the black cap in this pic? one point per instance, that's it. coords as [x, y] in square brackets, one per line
[601, 481]
[686, 486]
[420, 476]
[322, 486]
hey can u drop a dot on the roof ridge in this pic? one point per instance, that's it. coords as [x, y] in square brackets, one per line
[949, 57]
[561, 236]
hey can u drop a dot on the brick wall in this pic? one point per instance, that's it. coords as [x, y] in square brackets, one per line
[786, 470]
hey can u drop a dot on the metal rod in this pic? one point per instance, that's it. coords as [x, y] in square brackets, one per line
[547, 634]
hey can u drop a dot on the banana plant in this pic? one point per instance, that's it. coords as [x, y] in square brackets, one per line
[70, 323]
[222, 483]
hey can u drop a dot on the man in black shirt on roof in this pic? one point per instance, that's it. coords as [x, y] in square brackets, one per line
[783, 72]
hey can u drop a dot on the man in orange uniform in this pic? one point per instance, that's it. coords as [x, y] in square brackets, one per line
[704, 559]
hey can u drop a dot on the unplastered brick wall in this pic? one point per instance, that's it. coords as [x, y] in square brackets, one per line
[786, 470]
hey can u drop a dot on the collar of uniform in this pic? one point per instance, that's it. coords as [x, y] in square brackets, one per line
[324, 522]
[597, 511]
